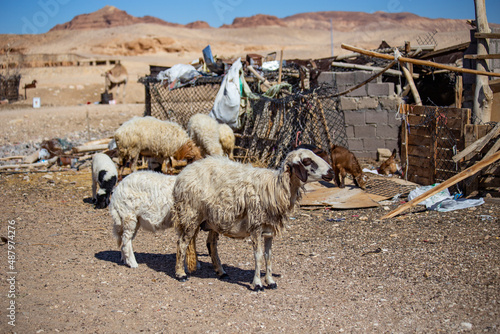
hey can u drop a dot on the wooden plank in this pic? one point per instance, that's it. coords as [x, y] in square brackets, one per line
[413, 177]
[482, 57]
[478, 144]
[418, 162]
[419, 62]
[448, 183]
[419, 131]
[419, 151]
[487, 35]
[419, 141]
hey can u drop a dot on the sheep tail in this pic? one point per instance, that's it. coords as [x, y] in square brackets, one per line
[191, 258]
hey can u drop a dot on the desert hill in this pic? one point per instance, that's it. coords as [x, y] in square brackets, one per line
[109, 16]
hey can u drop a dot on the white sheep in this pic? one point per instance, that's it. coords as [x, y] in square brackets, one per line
[152, 137]
[142, 199]
[212, 137]
[238, 200]
[104, 176]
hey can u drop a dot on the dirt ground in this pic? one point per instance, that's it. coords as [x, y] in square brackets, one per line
[338, 271]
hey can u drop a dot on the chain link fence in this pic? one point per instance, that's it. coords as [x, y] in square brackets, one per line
[270, 126]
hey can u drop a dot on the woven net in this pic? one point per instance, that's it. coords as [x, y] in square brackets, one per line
[270, 126]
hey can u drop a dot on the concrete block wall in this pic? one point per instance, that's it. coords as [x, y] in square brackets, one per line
[370, 112]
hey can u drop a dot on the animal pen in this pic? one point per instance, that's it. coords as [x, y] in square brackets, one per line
[270, 127]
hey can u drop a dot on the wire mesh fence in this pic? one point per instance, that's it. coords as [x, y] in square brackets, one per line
[270, 126]
[433, 135]
[9, 87]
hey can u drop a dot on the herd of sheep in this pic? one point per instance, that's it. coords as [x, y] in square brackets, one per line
[213, 192]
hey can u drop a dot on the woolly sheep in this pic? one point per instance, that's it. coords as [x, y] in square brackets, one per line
[104, 176]
[239, 200]
[152, 137]
[142, 199]
[212, 137]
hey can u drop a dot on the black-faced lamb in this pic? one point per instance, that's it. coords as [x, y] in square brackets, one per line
[151, 137]
[142, 199]
[239, 200]
[104, 177]
[212, 137]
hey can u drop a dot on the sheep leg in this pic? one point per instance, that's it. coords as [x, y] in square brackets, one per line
[271, 284]
[133, 167]
[184, 239]
[212, 239]
[191, 258]
[127, 251]
[257, 248]
[94, 189]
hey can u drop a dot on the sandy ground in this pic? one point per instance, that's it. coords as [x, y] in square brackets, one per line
[338, 271]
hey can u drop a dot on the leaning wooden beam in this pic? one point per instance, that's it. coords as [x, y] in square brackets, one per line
[478, 144]
[369, 68]
[391, 64]
[448, 183]
[47, 164]
[90, 148]
[413, 87]
[489, 56]
[419, 62]
[264, 80]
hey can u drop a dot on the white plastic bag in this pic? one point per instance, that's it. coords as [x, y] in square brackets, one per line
[227, 102]
[443, 201]
[442, 195]
[182, 72]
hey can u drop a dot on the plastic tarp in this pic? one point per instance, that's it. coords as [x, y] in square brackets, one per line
[226, 107]
[178, 75]
[443, 201]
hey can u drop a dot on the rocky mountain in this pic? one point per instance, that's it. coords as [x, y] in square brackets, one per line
[109, 16]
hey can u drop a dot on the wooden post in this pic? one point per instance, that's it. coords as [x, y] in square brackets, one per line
[459, 86]
[420, 62]
[483, 96]
[281, 67]
[448, 183]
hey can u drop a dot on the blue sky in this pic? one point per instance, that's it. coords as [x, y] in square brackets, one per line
[39, 16]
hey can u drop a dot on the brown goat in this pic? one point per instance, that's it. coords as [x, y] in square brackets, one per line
[389, 166]
[343, 162]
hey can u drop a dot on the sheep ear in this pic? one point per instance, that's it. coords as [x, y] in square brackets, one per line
[299, 171]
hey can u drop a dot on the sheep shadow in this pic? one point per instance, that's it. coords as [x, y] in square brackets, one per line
[165, 263]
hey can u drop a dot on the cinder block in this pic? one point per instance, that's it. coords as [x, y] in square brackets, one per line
[349, 131]
[361, 91]
[355, 144]
[365, 131]
[348, 103]
[376, 117]
[368, 103]
[380, 89]
[326, 78]
[392, 144]
[361, 76]
[389, 103]
[393, 118]
[387, 131]
[354, 118]
[345, 78]
[372, 144]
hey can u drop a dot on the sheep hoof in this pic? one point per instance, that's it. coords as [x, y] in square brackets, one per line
[272, 286]
[182, 278]
[224, 276]
[258, 288]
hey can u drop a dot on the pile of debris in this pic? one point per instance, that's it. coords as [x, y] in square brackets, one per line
[55, 154]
